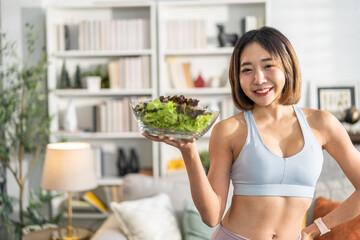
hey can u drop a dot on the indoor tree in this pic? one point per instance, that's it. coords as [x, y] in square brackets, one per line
[24, 120]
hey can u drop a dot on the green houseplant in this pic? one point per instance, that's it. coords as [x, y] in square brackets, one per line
[24, 121]
[204, 157]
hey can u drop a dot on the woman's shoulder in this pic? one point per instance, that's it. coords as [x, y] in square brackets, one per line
[320, 119]
[231, 125]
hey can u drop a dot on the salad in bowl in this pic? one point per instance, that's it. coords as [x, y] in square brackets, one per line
[175, 116]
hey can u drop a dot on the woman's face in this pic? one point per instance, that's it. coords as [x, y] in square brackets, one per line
[262, 77]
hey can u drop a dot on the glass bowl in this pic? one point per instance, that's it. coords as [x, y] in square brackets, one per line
[173, 120]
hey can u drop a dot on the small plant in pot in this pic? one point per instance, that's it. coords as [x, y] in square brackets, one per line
[96, 79]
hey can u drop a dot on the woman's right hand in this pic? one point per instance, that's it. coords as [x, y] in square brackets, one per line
[183, 145]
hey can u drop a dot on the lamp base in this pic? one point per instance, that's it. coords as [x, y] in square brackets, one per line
[77, 234]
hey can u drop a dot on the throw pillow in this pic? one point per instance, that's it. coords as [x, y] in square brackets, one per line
[349, 230]
[194, 228]
[148, 218]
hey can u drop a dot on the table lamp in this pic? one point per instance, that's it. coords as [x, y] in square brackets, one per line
[69, 167]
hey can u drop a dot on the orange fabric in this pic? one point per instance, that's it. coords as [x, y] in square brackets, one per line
[349, 230]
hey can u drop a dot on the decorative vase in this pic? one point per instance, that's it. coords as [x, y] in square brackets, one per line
[199, 82]
[134, 165]
[121, 163]
[70, 121]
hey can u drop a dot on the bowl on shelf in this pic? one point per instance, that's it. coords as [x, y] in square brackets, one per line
[171, 119]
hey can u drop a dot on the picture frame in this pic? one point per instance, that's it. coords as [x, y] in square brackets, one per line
[334, 97]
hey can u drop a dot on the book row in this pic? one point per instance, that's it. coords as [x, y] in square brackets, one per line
[185, 34]
[130, 73]
[114, 115]
[95, 201]
[102, 35]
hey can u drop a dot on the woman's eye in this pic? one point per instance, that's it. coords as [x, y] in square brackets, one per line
[269, 66]
[246, 70]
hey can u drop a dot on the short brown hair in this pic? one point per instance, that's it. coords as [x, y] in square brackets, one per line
[279, 47]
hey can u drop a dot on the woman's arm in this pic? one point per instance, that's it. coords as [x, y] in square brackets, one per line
[336, 141]
[210, 192]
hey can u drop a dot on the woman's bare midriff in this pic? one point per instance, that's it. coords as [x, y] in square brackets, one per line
[266, 217]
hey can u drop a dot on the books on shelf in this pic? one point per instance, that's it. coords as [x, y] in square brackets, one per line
[180, 74]
[80, 206]
[98, 155]
[91, 198]
[249, 23]
[113, 193]
[185, 34]
[114, 115]
[102, 35]
[130, 73]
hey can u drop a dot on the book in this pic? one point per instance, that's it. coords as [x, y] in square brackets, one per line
[95, 201]
[187, 74]
[248, 23]
[71, 36]
[98, 161]
[81, 206]
[114, 75]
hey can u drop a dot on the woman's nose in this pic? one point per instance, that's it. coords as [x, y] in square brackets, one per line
[259, 77]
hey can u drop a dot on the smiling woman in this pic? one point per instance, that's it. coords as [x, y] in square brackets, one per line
[271, 151]
[280, 55]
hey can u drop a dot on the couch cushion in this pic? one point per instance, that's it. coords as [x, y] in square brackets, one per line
[147, 218]
[349, 230]
[137, 186]
[109, 230]
[194, 228]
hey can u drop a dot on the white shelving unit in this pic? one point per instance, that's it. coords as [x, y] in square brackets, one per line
[203, 54]
[181, 40]
[84, 100]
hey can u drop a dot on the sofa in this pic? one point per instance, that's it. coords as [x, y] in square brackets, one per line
[138, 186]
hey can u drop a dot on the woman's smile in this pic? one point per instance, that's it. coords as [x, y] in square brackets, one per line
[263, 91]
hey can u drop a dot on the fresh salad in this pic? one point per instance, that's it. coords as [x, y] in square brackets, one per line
[174, 113]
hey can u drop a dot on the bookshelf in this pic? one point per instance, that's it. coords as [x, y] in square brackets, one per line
[187, 36]
[160, 44]
[166, 42]
[96, 34]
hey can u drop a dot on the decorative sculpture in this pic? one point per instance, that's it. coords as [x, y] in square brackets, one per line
[226, 37]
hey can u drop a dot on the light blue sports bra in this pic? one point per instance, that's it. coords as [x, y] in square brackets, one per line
[259, 172]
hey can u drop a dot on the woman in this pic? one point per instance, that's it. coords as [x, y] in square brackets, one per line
[272, 150]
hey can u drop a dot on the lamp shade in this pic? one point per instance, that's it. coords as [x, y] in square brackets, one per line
[68, 167]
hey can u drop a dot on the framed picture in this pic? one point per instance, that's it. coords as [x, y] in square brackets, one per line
[334, 97]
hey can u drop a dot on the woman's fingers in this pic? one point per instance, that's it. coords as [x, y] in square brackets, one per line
[176, 142]
[151, 137]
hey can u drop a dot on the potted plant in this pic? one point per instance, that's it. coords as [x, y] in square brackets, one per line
[204, 157]
[24, 120]
[99, 74]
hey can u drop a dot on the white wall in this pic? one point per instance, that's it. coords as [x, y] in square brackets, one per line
[325, 35]
[11, 17]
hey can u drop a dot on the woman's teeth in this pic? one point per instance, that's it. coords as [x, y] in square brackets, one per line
[263, 91]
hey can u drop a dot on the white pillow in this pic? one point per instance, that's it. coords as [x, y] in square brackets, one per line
[150, 218]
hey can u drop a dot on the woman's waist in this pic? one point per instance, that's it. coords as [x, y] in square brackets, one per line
[265, 217]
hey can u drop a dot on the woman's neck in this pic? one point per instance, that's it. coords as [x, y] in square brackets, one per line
[275, 112]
